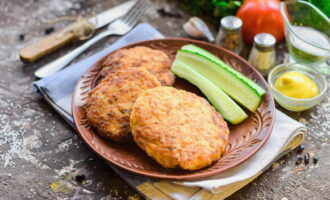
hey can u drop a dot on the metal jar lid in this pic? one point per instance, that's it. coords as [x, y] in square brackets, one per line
[264, 41]
[231, 23]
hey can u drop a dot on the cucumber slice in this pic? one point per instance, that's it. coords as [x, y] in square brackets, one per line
[195, 49]
[220, 100]
[222, 78]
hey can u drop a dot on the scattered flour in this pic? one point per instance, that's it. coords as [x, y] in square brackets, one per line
[70, 169]
[16, 143]
[320, 117]
[13, 140]
[64, 146]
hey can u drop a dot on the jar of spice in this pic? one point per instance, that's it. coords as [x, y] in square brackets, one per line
[229, 35]
[262, 55]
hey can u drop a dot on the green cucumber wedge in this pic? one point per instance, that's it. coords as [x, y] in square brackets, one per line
[195, 49]
[222, 78]
[220, 100]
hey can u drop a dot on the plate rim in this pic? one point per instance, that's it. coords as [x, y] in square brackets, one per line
[188, 176]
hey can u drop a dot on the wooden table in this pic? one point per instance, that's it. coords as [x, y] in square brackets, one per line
[40, 155]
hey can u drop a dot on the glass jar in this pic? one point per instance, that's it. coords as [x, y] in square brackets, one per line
[229, 35]
[262, 55]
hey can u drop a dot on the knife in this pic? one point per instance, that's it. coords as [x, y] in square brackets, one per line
[57, 40]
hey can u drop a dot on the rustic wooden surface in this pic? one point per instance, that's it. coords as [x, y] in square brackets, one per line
[40, 155]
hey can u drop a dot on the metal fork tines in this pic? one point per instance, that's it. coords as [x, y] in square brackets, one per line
[119, 27]
[136, 12]
[127, 22]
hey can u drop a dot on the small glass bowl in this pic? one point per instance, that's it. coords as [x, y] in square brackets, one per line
[294, 104]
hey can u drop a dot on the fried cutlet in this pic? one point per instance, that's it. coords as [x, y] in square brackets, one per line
[178, 129]
[155, 61]
[109, 104]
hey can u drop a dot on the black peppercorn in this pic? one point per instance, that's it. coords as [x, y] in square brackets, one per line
[80, 178]
[306, 158]
[300, 149]
[21, 37]
[299, 161]
[162, 12]
[49, 30]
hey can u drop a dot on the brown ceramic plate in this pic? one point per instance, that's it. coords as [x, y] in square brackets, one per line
[245, 139]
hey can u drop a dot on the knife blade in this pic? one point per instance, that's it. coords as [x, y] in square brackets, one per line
[111, 14]
[59, 39]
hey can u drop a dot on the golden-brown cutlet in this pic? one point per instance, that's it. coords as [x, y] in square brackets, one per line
[155, 61]
[178, 128]
[109, 104]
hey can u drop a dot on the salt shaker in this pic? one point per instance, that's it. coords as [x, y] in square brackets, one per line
[262, 55]
[229, 35]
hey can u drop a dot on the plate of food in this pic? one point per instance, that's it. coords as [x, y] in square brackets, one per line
[176, 109]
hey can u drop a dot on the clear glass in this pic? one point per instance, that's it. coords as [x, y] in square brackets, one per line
[307, 32]
[292, 103]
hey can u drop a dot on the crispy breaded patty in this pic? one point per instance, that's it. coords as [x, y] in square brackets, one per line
[178, 128]
[109, 104]
[155, 61]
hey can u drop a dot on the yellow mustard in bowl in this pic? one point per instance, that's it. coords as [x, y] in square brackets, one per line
[296, 85]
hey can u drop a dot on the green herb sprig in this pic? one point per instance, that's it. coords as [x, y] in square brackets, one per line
[213, 9]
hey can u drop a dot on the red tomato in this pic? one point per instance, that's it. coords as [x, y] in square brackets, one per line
[261, 16]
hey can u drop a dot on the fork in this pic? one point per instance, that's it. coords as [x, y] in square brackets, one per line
[120, 26]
